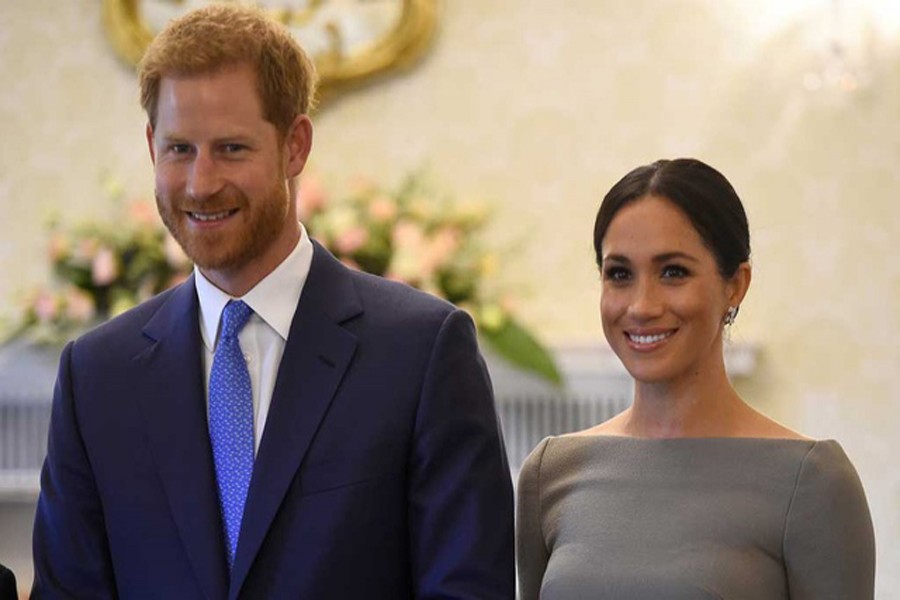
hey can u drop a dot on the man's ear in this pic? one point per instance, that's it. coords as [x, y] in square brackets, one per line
[149, 132]
[298, 144]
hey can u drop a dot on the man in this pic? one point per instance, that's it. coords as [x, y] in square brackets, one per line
[7, 584]
[333, 437]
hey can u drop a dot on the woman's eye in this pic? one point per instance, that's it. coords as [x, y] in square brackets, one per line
[674, 272]
[616, 274]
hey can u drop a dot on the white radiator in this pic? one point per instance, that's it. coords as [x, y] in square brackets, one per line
[529, 409]
[23, 444]
[528, 420]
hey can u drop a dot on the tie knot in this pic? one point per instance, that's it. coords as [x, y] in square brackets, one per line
[234, 317]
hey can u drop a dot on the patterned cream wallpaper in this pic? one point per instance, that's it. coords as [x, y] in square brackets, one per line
[539, 107]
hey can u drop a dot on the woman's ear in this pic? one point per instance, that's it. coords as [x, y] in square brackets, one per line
[739, 284]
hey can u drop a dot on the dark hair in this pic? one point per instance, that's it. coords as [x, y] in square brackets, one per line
[703, 195]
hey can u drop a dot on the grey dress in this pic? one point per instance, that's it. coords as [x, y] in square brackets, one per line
[620, 517]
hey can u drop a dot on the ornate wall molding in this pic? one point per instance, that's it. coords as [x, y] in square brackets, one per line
[351, 41]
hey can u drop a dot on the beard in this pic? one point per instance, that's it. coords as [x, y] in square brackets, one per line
[256, 226]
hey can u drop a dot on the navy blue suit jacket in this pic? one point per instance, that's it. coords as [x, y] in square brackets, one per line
[8, 589]
[381, 472]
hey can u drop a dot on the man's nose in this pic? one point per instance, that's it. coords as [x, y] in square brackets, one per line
[204, 178]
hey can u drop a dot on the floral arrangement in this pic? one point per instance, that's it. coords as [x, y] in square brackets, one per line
[100, 270]
[415, 236]
[409, 235]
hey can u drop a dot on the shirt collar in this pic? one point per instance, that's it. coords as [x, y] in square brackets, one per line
[274, 299]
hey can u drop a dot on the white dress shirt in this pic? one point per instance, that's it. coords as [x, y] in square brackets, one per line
[274, 301]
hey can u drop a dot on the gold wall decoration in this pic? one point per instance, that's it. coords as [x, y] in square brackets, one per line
[350, 40]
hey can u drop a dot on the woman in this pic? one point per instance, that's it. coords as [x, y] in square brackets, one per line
[690, 493]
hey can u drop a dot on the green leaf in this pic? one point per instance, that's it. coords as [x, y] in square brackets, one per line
[514, 343]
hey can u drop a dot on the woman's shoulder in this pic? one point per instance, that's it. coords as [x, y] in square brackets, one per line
[829, 540]
[553, 456]
[795, 457]
[826, 464]
[532, 462]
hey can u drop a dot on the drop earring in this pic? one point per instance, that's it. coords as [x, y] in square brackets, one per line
[730, 315]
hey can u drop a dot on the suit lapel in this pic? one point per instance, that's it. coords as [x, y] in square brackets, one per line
[173, 404]
[316, 356]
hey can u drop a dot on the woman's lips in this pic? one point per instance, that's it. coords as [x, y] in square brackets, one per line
[648, 340]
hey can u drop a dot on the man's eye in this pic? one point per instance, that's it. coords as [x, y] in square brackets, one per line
[616, 274]
[674, 272]
[179, 148]
[232, 148]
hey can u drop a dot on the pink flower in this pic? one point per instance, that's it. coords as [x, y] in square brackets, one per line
[105, 267]
[79, 305]
[311, 197]
[442, 246]
[414, 260]
[407, 235]
[86, 250]
[351, 240]
[382, 209]
[46, 306]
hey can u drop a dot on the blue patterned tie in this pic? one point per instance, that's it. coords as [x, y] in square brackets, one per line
[231, 422]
